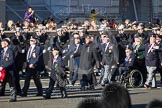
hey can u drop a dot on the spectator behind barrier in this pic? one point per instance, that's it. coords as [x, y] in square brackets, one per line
[116, 96]
[91, 103]
[155, 104]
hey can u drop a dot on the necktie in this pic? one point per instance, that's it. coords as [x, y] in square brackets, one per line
[106, 46]
[76, 49]
[53, 74]
[152, 45]
[53, 60]
[127, 58]
[0, 37]
[3, 54]
[29, 53]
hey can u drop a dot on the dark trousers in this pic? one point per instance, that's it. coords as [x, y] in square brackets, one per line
[115, 74]
[88, 79]
[122, 70]
[159, 69]
[50, 88]
[17, 81]
[36, 77]
[74, 74]
[10, 79]
[2, 88]
[19, 62]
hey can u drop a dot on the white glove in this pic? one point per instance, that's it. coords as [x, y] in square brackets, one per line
[44, 51]
[49, 48]
[23, 51]
[156, 47]
[63, 51]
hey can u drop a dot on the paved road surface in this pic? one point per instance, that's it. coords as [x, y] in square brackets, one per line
[139, 96]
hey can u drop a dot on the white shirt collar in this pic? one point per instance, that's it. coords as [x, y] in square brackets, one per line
[32, 46]
[5, 49]
[56, 57]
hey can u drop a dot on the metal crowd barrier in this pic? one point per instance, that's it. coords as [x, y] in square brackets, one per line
[94, 32]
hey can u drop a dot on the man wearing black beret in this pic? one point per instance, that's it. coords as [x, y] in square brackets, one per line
[58, 75]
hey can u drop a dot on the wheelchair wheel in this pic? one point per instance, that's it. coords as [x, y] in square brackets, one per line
[124, 81]
[136, 78]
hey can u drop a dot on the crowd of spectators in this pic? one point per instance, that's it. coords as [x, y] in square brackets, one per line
[92, 23]
[114, 96]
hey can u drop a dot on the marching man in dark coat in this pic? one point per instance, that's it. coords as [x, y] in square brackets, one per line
[58, 75]
[74, 53]
[7, 64]
[88, 59]
[108, 58]
[151, 60]
[159, 43]
[18, 46]
[33, 55]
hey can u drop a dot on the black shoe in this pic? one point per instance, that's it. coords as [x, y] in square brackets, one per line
[23, 95]
[82, 88]
[2, 94]
[12, 100]
[39, 94]
[73, 83]
[160, 82]
[91, 88]
[19, 93]
[63, 92]
[47, 97]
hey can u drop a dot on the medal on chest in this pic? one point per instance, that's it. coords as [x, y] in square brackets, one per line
[6, 57]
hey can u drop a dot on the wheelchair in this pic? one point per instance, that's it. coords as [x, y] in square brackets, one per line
[133, 78]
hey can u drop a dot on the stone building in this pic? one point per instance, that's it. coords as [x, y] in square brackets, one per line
[139, 10]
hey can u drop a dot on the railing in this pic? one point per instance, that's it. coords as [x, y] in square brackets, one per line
[53, 33]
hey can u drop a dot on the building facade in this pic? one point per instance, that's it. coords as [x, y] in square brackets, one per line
[139, 10]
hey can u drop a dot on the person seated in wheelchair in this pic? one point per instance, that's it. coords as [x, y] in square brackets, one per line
[128, 62]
